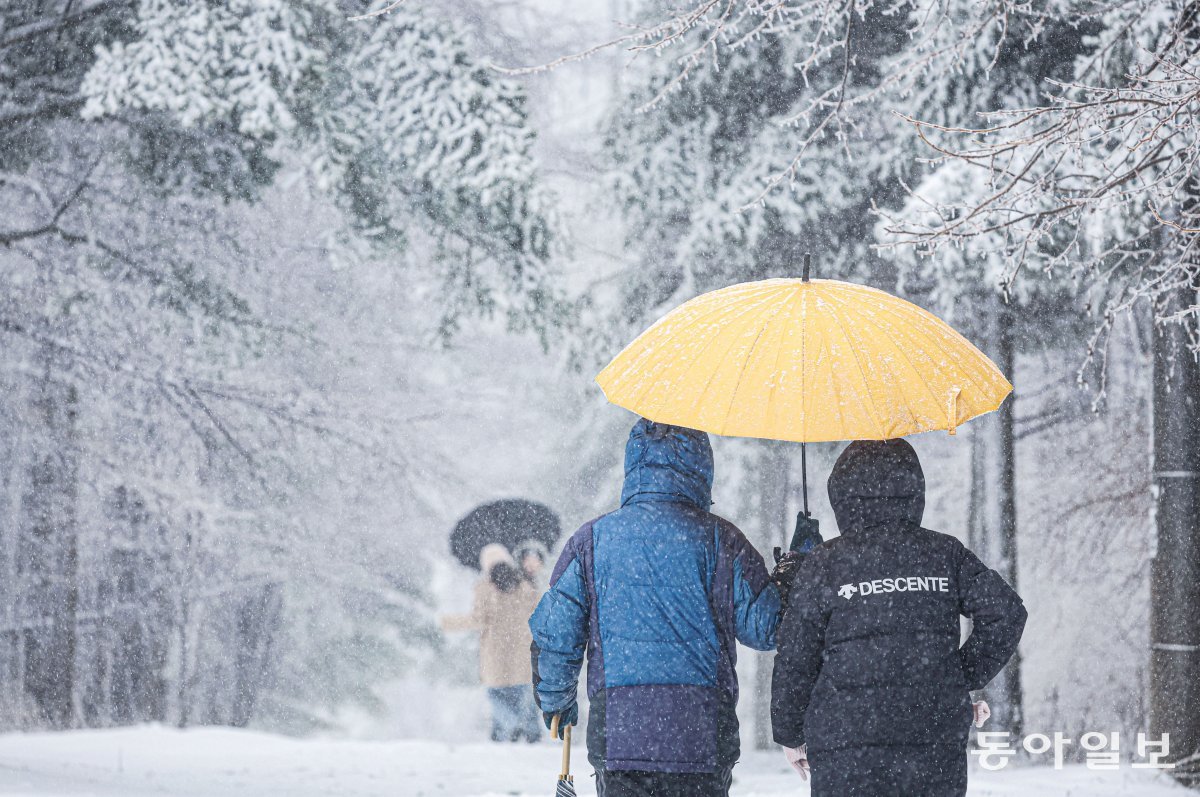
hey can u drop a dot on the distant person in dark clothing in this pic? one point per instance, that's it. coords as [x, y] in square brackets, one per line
[871, 688]
[655, 595]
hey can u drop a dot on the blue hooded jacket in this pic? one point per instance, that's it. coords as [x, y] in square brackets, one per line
[655, 595]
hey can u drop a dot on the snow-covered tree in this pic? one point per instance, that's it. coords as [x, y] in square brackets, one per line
[412, 136]
[163, 403]
[1096, 178]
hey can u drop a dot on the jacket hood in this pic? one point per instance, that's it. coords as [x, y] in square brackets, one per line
[876, 483]
[667, 463]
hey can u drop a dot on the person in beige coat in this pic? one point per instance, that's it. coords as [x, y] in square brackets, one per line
[504, 600]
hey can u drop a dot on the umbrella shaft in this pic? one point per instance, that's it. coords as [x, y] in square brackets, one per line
[804, 475]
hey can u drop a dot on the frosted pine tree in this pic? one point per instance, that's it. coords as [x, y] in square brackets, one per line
[416, 141]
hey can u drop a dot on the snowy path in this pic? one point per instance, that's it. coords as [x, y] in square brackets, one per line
[221, 763]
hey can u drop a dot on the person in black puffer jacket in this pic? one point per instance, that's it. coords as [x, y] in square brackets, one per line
[870, 681]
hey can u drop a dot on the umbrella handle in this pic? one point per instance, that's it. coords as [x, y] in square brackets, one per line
[566, 756]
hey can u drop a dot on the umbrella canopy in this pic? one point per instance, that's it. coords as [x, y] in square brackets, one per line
[807, 361]
[509, 522]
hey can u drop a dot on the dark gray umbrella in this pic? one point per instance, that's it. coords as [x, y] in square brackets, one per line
[509, 522]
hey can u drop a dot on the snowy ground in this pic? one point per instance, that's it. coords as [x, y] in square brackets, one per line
[221, 762]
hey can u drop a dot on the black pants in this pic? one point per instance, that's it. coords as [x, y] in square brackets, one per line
[663, 784]
[902, 771]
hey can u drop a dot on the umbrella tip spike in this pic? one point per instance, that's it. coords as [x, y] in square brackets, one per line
[807, 266]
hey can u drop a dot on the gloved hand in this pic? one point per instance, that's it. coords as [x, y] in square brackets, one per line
[798, 758]
[806, 537]
[981, 712]
[784, 573]
[807, 534]
[568, 716]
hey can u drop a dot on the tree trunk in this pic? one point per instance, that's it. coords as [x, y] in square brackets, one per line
[992, 532]
[256, 622]
[181, 715]
[51, 559]
[13, 481]
[1175, 567]
[773, 530]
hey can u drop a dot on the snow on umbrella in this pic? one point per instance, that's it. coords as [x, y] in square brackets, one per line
[804, 360]
[509, 522]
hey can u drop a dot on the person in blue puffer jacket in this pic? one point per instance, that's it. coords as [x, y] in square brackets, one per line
[655, 595]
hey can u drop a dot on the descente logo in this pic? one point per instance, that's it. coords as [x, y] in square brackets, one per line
[901, 584]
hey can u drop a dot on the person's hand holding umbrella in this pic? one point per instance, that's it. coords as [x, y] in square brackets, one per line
[559, 722]
[560, 728]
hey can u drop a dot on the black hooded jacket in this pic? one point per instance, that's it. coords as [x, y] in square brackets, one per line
[869, 650]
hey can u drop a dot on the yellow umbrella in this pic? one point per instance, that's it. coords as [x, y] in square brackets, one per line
[807, 361]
